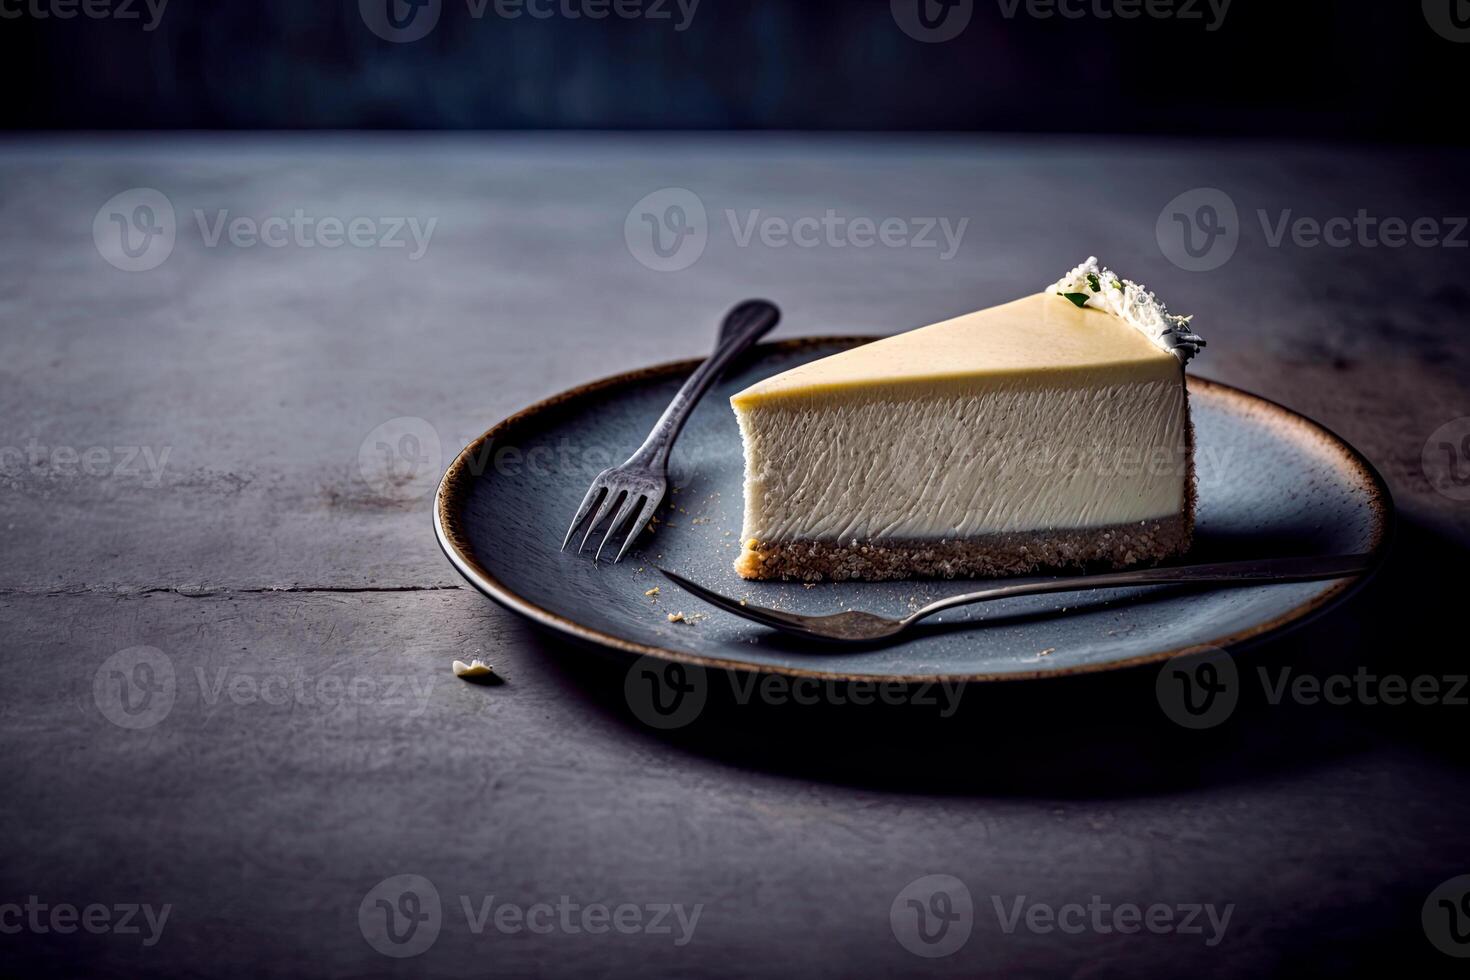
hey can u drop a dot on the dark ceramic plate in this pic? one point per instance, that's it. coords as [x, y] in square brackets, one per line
[1271, 483]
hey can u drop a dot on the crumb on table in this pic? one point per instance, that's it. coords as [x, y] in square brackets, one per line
[475, 668]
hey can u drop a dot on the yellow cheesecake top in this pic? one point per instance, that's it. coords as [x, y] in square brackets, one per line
[1037, 342]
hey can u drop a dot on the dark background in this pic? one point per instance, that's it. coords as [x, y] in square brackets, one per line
[1366, 70]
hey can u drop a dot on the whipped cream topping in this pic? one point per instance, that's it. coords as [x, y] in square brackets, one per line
[1096, 286]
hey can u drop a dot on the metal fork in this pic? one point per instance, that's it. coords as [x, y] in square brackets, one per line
[856, 626]
[644, 477]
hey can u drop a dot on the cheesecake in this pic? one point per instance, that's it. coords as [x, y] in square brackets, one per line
[1050, 432]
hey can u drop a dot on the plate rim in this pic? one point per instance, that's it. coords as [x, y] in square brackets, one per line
[455, 545]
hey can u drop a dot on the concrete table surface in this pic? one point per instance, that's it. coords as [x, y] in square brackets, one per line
[188, 465]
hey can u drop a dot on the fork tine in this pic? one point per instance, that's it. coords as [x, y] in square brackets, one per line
[629, 503]
[582, 512]
[603, 509]
[650, 505]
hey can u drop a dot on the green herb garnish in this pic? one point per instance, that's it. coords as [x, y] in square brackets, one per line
[1093, 281]
[1078, 298]
[1117, 285]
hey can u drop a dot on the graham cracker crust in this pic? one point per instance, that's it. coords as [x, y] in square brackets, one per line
[989, 556]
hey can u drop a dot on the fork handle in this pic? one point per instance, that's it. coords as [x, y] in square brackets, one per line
[1220, 573]
[742, 327]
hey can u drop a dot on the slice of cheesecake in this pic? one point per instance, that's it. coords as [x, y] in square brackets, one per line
[1046, 433]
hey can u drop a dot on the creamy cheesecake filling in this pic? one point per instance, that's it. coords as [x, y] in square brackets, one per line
[979, 462]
